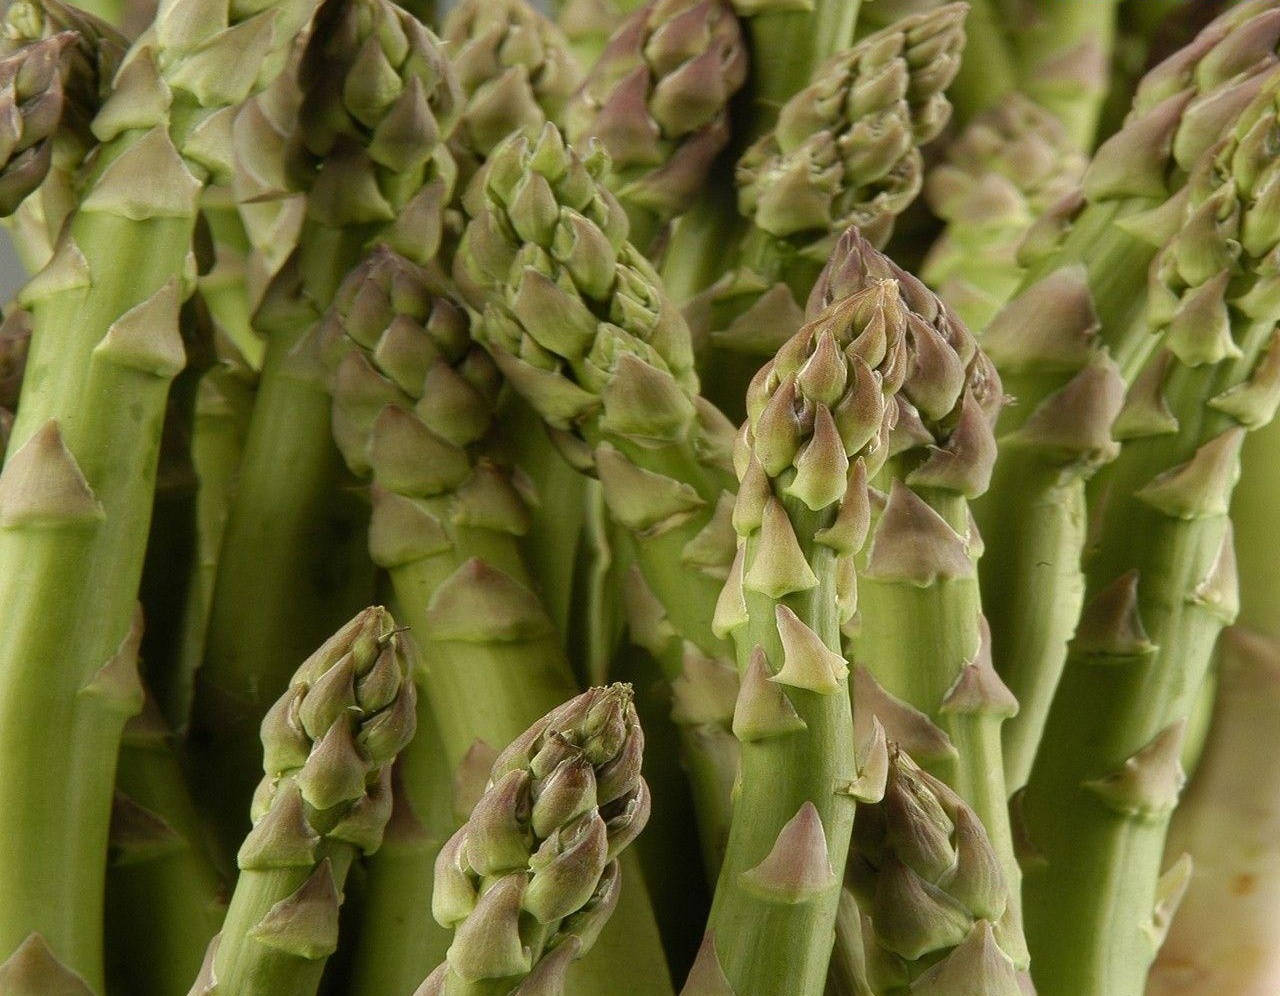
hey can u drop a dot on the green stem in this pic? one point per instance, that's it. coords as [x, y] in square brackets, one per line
[223, 287]
[987, 71]
[1031, 519]
[766, 941]
[1162, 592]
[164, 898]
[1064, 58]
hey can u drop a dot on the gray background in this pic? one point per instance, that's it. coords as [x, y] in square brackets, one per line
[11, 272]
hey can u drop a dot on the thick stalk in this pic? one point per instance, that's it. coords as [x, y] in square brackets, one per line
[292, 561]
[1160, 584]
[772, 921]
[165, 900]
[77, 487]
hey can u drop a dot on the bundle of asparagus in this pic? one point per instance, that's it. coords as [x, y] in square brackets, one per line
[806, 430]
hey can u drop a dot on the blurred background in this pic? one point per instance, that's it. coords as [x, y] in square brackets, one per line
[11, 272]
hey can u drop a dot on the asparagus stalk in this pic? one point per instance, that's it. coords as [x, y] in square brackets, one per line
[658, 100]
[414, 403]
[529, 881]
[165, 900]
[819, 422]
[325, 797]
[920, 639]
[576, 320]
[76, 491]
[1008, 168]
[367, 147]
[1160, 578]
[71, 57]
[845, 151]
[1073, 338]
[929, 891]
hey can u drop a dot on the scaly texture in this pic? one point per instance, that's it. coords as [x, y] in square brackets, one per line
[514, 67]
[77, 487]
[325, 797]
[577, 321]
[845, 151]
[413, 409]
[1075, 336]
[1007, 168]
[529, 881]
[1224, 935]
[919, 639]
[929, 890]
[820, 416]
[589, 23]
[1160, 576]
[366, 146]
[60, 62]
[658, 100]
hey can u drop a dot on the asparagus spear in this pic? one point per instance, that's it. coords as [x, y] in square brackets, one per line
[577, 321]
[1073, 338]
[367, 147]
[589, 23]
[920, 639]
[1009, 167]
[76, 491]
[529, 881]
[71, 56]
[1223, 937]
[819, 422]
[929, 891]
[413, 410]
[328, 745]
[1160, 577]
[658, 100]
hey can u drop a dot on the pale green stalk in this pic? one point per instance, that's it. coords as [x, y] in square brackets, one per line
[329, 744]
[1064, 60]
[77, 486]
[818, 422]
[1071, 341]
[1160, 578]
[165, 900]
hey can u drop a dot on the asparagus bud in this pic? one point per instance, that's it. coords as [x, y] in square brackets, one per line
[658, 100]
[1009, 167]
[845, 150]
[930, 890]
[530, 879]
[328, 744]
[514, 66]
[57, 70]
